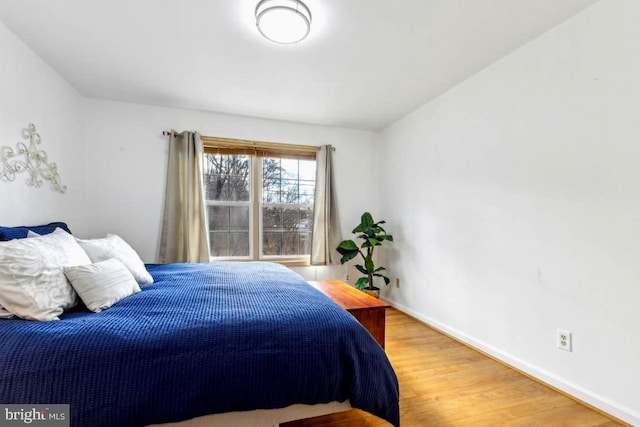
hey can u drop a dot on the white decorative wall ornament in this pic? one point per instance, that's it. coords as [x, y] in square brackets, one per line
[31, 160]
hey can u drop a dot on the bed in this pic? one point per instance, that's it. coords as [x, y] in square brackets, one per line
[219, 338]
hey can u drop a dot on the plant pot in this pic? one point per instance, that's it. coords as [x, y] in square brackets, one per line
[374, 292]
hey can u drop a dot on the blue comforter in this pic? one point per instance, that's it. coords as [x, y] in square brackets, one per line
[203, 339]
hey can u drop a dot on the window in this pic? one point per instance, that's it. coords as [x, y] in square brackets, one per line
[260, 202]
[287, 206]
[227, 186]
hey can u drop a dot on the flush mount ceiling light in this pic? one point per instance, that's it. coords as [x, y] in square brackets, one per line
[283, 21]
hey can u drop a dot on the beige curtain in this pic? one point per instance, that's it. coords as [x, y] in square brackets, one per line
[326, 234]
[184, 225]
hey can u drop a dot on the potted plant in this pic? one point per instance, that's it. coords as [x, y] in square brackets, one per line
[372, 235]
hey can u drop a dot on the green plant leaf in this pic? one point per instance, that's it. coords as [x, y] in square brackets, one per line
[348, 256]
[379, 269]
[348, 249]
[366, 220]
[347, 245]
[362, 283]
[374, 242]
[375, 231]
[368, 264]
[361, 269]
[388, 237]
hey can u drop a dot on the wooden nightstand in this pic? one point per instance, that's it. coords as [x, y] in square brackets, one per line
[369, 311]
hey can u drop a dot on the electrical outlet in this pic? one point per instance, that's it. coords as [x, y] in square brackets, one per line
[397, 282]
[347, 278]
[563, 340]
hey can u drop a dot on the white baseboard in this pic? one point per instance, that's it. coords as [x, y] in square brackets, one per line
[602, 403]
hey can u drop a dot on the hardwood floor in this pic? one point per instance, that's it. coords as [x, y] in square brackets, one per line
[444, 383]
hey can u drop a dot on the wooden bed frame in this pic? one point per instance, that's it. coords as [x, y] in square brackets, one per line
[262, 417]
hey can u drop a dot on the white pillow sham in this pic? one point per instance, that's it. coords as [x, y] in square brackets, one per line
[102, 284]
[114, 246]
[5, 314]
[32, 281]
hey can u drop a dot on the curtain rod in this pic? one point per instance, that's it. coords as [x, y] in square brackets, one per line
[168, 133]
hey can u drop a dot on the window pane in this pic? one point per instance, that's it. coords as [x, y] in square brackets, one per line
[290, 166]
[288, 183]
[286, 231]
[290, 240]
[307, 170]
[218, 218]
[306, 219]
[272, 243]
[271, 179]
[239, 244]
[219, 243]
[226, 177]
[229, 231]
[290, 219]
[239, 218]
[271, 196]
[289, 191]
[271, 218]
[307, 192]
[305, 243]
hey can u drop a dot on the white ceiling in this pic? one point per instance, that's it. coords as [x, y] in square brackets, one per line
[365, 64]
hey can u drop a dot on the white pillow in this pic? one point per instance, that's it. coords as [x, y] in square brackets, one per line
[114, 246]
[4, 313]
[32, 281]
[102, 284]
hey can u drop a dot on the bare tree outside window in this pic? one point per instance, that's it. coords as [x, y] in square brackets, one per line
[227, 186]
[286, 204]
[227, 178]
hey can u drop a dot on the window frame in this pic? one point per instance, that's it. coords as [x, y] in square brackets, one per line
[256, 150]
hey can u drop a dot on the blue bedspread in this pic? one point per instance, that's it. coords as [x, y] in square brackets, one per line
[203, 339]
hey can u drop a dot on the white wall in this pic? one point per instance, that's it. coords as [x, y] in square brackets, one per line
[127, 159]
[515, 203]
[32, 92]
